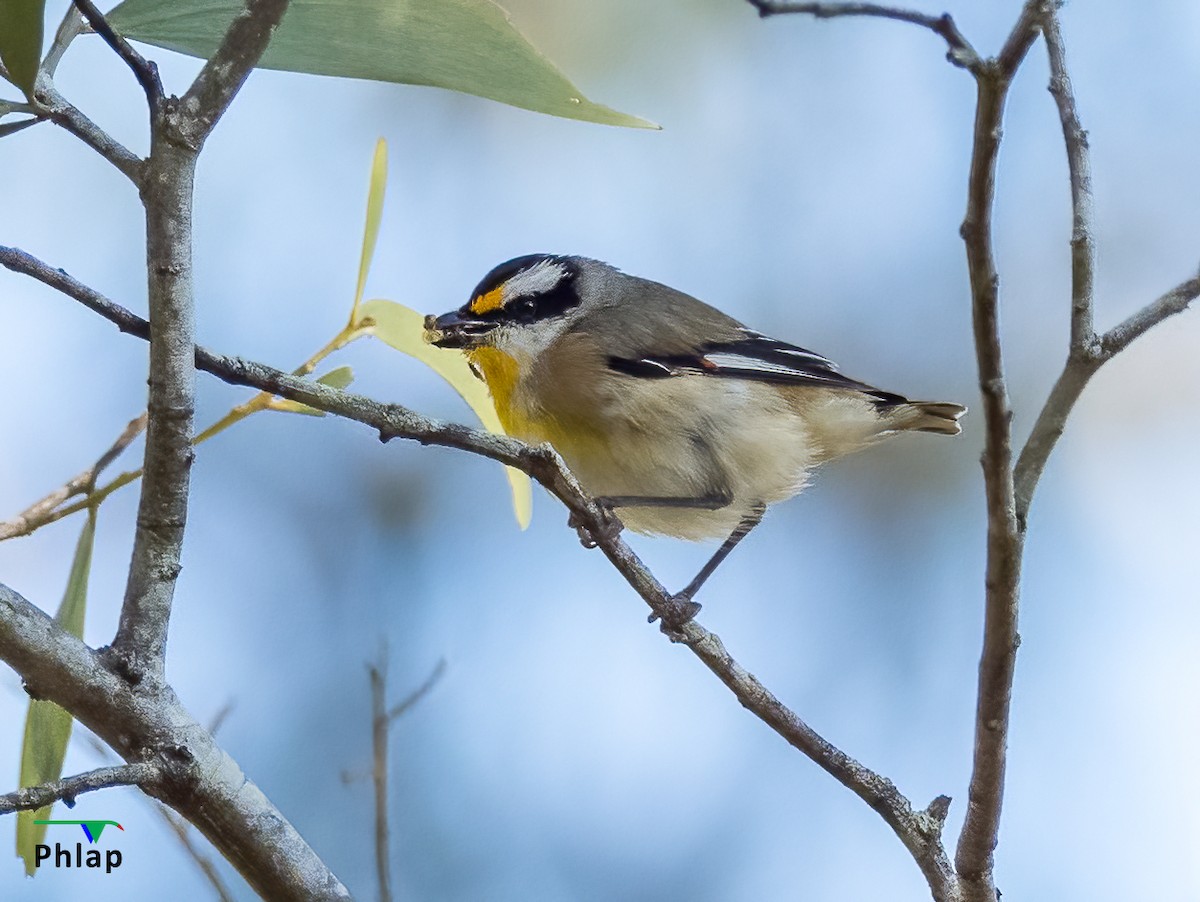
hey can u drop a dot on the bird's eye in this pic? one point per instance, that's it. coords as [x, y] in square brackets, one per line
[525, 309]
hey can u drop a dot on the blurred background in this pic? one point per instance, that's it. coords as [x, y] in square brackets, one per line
[809, 179]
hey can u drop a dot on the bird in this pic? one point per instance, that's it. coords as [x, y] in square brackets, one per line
[675, 417]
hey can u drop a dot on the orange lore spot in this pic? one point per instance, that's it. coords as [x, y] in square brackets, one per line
[485, 303]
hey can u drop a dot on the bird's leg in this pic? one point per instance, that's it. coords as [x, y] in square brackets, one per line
[683, 608]
[612, 525]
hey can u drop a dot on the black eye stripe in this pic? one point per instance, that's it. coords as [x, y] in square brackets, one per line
[528, 308]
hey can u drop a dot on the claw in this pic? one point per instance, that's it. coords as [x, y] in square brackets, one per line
[610, 527]
[679, 612]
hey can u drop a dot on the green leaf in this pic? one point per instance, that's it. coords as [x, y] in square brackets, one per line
[338, 378]
[404, 329]
[464, 45]
[11, 128]
[47, 726]
[21, 40]
[375, 192]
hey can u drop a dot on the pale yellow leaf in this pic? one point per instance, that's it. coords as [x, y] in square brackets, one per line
[404, 329]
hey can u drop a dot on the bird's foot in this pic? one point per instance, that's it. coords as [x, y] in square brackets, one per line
[679, 611]
[610, 527]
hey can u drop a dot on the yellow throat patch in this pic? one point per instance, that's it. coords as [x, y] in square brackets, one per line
[500, 372]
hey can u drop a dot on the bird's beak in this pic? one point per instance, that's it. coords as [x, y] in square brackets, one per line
[456, 329]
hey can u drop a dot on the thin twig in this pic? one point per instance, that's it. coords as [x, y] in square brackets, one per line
[183, 832]
[960, 52]
[72, 26]
[1121, 336]
[381, 720]
[67, 789]
[41, 513]
[145, 71]
[178, 825]
[379, 775]
[1083, 245]
[53, 106]
[1005, 539]
[403, 707]
[1052, 419]
[225, 72]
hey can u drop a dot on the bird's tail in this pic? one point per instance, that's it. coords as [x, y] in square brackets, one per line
[928, 416]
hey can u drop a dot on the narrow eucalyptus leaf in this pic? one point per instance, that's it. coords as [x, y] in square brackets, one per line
[11, 128]
[469, 46]
[21, 40]
[47, 726]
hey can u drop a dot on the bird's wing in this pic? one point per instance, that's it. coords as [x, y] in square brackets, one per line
[749, 355]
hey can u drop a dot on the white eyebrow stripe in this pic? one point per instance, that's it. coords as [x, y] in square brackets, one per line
[540, 278]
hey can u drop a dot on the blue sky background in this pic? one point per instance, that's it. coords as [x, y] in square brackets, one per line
[809, 179]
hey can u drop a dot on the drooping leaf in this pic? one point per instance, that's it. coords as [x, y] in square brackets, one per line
[47, 726]
[464, 45]
[404, 329]
[337, 378]
[21, 23]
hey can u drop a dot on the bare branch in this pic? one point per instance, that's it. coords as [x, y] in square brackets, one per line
[379, 776]
[1005, 538]
[71, 27]
[43, 511]
[66, 789]
[1087, 352]
[410, 701]
[381, 720]
[183, 832]
[1080, 368]
[1121, 336]
[960, 52]
[1083, 246]
[198, 778]
[144, 71]
[223, 75]
[178, 825]
[53, 106]
[177, 134]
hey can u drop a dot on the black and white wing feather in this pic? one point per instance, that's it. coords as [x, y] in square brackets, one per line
[750, 355]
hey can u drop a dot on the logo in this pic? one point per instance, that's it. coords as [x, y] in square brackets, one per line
[66, 857]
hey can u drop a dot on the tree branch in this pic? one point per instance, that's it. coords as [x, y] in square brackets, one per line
[34, 797]
[1083, 246]
[960, 51]
[43, 511]
[1005, 539]
[144, 71]
[178, 131]
[53, 106]
[1121, 336]
[1052, 419]
[196, 777]
[223, 75]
